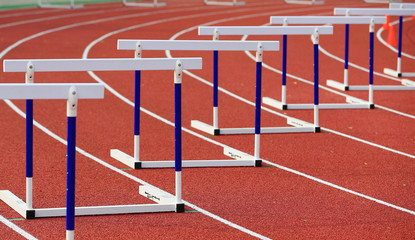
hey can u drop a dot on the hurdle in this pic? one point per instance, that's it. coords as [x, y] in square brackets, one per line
[233, 3]
[164, 202]
[155, 3]
[299, 126]
[305, 2]
[72, 5]
[352, 103]
[184, 45]
[28, 92]
[406, 84]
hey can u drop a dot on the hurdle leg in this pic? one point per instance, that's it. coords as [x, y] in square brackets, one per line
[316, 82]
[215, 91]
[29, 154]
[346, 58]
[284, 72]
[259, 55]
[137, 163]
[371, 50]
[29, 79]
[399, 69]
[178, 134]
[71, 150]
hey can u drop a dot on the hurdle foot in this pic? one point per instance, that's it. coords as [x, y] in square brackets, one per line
[15, 203]
[125, 158]
[30, 214]
[317, 129]
[391, 72]
[180, 207]
[204, 127]
[156, 195]
[408, 83]
[337, 85]
[372, 106]
[274, 103]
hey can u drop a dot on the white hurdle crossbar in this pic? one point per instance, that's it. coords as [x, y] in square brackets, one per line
[231, 3]
[72, 5]
[376, 12]
[165, 202]
[305, 2]
[70, 92]
[186, 45]
[154, 3]
[286, 20]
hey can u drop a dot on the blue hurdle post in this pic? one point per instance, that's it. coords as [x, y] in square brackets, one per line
[371, 50]
[258, 97]
[71, 151]
[137, 104]
[316, 37]
[346, 58]
[284, 72]
[29, 77]
[215, 86]
[399, 68]
[178, 73]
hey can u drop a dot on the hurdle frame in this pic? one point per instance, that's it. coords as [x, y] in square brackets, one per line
[72, 5]
[164, 202]
[352, 103]
[143, 4]
[186, 45]
[299, 126]
[406, 85]
[233, 3]
[312, 2]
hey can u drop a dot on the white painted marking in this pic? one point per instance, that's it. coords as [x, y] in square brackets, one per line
[17, 229]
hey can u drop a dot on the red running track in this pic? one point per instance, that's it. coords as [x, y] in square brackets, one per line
[355, 180]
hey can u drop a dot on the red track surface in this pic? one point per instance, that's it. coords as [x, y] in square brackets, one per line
[344, 188]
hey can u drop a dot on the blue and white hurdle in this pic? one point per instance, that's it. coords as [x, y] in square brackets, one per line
[299, 126]
[399, 72]
[165, 202]
[347, 20]
[305, 2]
[187, 45]
[232, 3]
[371, 87]
[29, 92]
[151, 3]
[71, 5]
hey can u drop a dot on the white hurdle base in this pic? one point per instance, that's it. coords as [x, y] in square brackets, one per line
[395, 73]
[311, 2]
[407, 86]
[20, 207]
[131, 162]
[228, 131]
[233, 3]
[303, 106]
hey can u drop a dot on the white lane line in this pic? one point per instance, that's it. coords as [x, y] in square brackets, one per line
[379, 32]
[16, 228]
